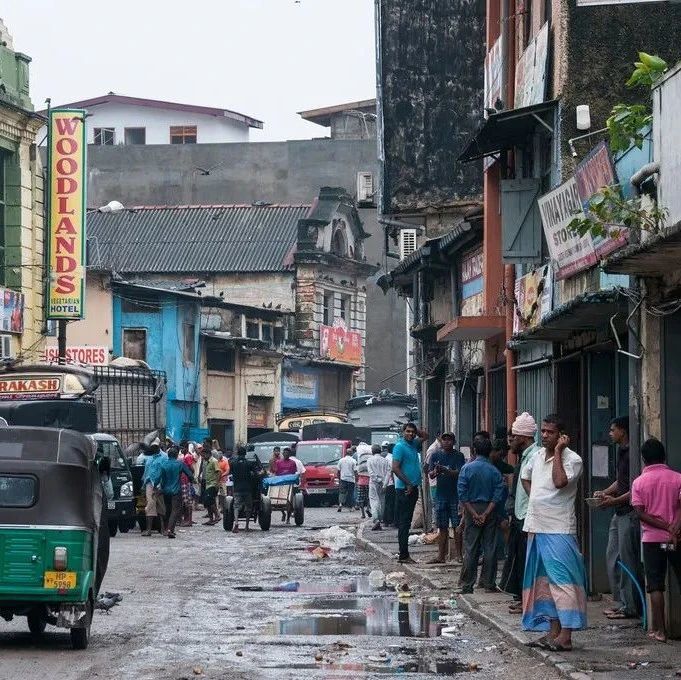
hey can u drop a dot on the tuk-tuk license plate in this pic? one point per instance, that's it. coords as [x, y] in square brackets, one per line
[61, 580]
[316, 490]
[111, 505]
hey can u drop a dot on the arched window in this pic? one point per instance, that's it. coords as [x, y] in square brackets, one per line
[339, 244]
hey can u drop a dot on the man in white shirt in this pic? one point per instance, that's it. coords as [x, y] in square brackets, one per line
[377, 469]
[347, 470]
[389, 486]
[554, 586]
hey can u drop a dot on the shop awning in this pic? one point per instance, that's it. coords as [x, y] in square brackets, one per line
[584, 313]
[471, 328]
[658, 255]
[507, 129]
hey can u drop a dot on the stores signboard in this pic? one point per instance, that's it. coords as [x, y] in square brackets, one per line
[86, 356]
[530, 71]
[570, 252]
[11, 311]
[66, 211]
[300, 387]
[593, 173]
[471, 282]
[533, 298]
[339, 344]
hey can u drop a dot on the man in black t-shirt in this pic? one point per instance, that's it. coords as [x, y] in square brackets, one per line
[245, 479]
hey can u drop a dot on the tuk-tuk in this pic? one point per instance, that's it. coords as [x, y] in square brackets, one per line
[52, 554]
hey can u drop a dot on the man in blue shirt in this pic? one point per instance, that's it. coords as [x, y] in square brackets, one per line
[407, 472]
[480, 488]
[445, 465]
[171, 469]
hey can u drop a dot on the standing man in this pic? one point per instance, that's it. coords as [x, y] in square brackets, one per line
[377, 468]
[171, 471]
[406, 467]
[521, 440]
[151, 479]
[554, 587]
[347, 468]
[445, 465]
[211, 478]
[276, 455]
[624, 536]
[245, 477]
[480, 487]
[656, 496]
[389, 485]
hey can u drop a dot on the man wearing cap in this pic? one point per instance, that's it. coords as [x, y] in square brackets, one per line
[522, 443]
[445, 464]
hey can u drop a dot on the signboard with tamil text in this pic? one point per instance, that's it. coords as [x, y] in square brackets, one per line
[66, 214]
[570, 252]
[593, 173]
[338, 343]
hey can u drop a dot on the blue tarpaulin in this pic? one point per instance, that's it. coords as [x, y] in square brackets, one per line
[281, 480]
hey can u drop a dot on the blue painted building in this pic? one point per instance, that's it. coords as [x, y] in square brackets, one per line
[161, 327]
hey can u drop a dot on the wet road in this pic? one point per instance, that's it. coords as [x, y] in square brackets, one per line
[204, 606]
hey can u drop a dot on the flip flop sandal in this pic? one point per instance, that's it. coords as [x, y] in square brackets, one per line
[557, 647]
[620, 615]
[544, 642]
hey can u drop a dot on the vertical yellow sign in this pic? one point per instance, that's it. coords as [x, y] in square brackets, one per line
[66, 211]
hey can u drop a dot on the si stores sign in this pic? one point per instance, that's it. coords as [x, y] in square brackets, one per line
[66, 209]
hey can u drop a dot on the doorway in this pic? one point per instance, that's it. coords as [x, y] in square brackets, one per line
[223, 431]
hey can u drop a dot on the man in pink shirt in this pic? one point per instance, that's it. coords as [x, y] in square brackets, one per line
[656, 496]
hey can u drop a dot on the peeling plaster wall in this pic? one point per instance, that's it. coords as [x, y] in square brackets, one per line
[430, 83]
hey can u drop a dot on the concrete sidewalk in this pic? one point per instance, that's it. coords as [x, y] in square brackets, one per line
[608, 649]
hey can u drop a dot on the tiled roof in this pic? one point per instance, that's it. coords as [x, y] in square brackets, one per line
[194, 239]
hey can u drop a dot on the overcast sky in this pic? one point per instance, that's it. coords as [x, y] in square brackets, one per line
[264, 58]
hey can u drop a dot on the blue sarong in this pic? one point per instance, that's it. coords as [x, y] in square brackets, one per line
[554, 586]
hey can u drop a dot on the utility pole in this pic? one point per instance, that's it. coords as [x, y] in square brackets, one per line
[61, 340]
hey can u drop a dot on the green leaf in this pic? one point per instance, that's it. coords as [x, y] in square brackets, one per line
[653, 62]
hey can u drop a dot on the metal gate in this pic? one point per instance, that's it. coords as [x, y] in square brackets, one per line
[131, 402]
[535, 390]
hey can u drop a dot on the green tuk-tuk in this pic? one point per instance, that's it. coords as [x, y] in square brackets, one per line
[52, 555]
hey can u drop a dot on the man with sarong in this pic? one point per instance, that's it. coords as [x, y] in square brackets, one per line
[554, 585]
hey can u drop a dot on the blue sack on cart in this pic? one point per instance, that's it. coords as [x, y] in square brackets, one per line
[281, 480]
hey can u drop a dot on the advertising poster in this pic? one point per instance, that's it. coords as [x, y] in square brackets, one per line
[340, 344]
[593, 173]
[66, 212]
[570, 252]
[527, 294]
[300, 387]
[11, 311]
[471, 282]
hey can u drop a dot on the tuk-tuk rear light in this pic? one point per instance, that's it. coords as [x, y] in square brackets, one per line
[60, 558]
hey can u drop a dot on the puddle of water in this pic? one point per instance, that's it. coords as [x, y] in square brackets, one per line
[426, 666]
[377, 617]
[359, 585]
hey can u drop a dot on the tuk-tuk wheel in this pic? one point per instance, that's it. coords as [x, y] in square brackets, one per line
[80, 637]
[298, 509]
[265, 513]
[36, 623]
[228, 513]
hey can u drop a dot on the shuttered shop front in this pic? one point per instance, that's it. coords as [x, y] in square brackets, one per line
[535, 390]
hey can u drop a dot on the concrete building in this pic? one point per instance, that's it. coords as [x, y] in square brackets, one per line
[116, 119]
[21, 208]
[356, 120]
[274, 172]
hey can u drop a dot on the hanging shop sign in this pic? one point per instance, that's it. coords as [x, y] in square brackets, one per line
[570, 252]
[593, 173]
[530, 71]
[339, 344]
[471, 282]
[66, 211]
[300, 387]
[533, 298]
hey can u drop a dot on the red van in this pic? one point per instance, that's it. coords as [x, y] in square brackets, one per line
[320, 458]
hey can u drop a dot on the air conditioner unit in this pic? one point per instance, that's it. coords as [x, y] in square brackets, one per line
[5, 346]
[407, 242]
[365, 187]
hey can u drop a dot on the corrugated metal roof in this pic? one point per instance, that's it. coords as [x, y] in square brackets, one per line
[196, 239]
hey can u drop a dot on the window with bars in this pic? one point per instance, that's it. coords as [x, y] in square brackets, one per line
[135, 135]
[328, 309]
[189, 342]
[344, 309]
[183, 134]
[105, 136]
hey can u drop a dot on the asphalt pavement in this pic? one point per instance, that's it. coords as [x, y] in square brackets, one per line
[265, 605]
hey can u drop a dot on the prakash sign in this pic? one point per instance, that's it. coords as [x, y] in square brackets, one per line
[66, 210]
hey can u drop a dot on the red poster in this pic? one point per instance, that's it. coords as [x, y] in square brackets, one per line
[340, 344]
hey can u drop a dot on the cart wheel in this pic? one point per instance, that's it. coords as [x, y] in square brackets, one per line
[125, 525]
[298, 509]
[265, 514]
[36, 623]
[228, 513]
[80, 637]
[113, 527]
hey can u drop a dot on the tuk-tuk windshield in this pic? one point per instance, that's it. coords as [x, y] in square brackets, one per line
[113, 452]
[319, 454]
[17, 491]
[380, 437]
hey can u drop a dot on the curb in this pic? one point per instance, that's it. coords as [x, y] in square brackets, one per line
[471, 608]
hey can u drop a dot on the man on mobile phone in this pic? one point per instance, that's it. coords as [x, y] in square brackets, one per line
[406, 465]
